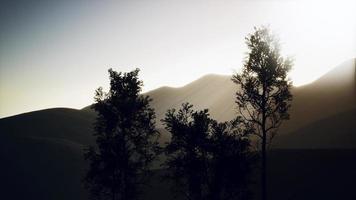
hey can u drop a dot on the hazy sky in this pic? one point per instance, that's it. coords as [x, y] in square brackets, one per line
[56, 53]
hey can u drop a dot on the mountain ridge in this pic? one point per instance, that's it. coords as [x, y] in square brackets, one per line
[218, 96]
[42, 151]
[311, 103]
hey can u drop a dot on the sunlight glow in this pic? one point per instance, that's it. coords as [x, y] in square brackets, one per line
[319, 34]
[57, 54]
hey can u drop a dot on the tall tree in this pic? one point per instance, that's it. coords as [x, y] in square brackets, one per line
[126, 139]
[208, 160]
[263, 96]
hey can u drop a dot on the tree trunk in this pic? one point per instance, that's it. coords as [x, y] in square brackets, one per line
[264, 141]
[264, 168]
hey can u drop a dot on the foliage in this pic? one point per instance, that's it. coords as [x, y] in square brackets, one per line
[126, 139]
[263, 97]
[208, 160]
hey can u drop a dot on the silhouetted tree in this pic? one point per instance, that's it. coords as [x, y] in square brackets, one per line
[230, 161]
[207, 159]
[263, 95]
[186, 156]
[126, 139]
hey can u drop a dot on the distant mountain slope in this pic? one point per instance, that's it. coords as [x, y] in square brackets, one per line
[338, 131]
[333, 93]
[57, 123]
[215, 92]
[41, 154]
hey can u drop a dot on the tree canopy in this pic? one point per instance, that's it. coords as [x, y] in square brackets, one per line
[126, 139]
[207, 159]
[263, 96]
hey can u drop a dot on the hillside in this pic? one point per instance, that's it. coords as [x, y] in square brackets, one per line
[42, 154]
[215, 92]
[337, 131]
[333, 93]
[57, 123]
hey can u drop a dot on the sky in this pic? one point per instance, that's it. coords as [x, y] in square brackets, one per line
[56, 53]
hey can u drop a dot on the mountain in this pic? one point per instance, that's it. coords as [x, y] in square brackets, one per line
[333, 93]
[215, 92]
[41, 154]
[334, 132]
[57, 123]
